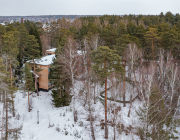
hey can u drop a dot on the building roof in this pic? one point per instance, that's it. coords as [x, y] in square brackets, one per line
[45, 60]
[51, 50]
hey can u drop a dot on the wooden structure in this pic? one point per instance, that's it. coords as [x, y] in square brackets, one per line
[43, 64]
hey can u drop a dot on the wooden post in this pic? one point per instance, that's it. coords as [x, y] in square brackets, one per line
[37, 116]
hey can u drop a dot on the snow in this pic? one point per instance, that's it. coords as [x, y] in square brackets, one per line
[98, 113]
[51, 50]
[3, 24]
[58, 123]
[178, 130]
[79, 52]
[45, 60]
[53, 122]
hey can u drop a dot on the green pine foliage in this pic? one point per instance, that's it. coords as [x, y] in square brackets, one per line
[32, 49]
[4, 80]
[34, 30]
[29, 82]
[103, 55]
[10, 43]
[60, 79]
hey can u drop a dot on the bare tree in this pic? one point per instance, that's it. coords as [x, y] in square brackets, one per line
[132, 58]
[115, 80]
[88, 83]
[70, 58]
[172, 76]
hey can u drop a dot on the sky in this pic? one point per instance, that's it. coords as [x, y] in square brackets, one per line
[86, 7]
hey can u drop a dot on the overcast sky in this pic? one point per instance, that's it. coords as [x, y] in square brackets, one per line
[86, 7]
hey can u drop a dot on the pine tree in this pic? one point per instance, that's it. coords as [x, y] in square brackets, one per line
[4, 81]
[7, 89]
[61, 80]
[23, 37]
[10, 52]
[106, 61]
[34, 30]
[152, 37]
[2, 31]
[28, 78]
[31, 53]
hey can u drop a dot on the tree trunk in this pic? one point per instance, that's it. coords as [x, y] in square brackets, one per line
[124, 86]
[124, 92]
[153, 48]
[94, 93]
[114, 129]
[28, 102]
[91, 123]
[90, 113]
[2, 120]
[36, 87]
[13, 110]
[11, 74]
[6, 106]
[6, 64]
[106, 129]
[129, 112]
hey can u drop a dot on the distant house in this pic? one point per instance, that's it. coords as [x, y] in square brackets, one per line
[44, 64]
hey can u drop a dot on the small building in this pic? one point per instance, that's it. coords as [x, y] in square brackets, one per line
[43, 64]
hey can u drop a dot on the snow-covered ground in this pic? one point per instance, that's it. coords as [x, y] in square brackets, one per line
[54, 123]
[58, 123]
